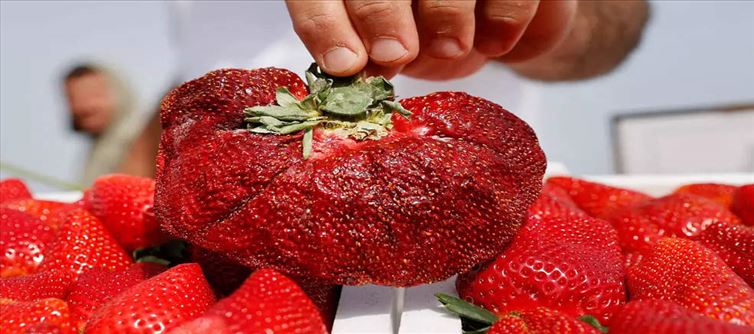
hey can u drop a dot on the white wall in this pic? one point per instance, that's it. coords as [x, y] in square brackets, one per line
[39, 40]
[693, 53]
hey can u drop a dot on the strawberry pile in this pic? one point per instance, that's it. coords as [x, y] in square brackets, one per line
[99, 266]
[593, 258]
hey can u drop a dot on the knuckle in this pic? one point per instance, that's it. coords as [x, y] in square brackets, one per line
[373, 11]
[314, 23]
[515, 13]
[444, 9]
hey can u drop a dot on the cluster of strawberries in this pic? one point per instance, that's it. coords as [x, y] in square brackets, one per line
[591, 255]
[90, 267]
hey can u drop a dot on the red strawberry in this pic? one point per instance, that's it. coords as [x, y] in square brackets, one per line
[41, 316]
[156, 305]
[734, 244]
[664, 317]
[46, 284]
[571, 264]
[97, 286]
[267, 302]
[428, 198]
[554, 201]
[23, 241]
[82, 244]
[720, 193]
[743, 204]
[46, 211]
[123, 203]
[13, 189]
[678, 214]
[597, 200]
[537, 320]
[540, 320]
[691, 275]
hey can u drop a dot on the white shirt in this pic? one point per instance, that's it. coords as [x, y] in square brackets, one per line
[253, 34]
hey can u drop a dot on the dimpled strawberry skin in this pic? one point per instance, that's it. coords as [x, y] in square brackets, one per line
[540, 320]
[12, 189]
[687, 273]
[443, 191]
[49, 315]
[23, 241]
[734, 244]
[44, 284]
[664, 317]
[157, 304]
[570, 264]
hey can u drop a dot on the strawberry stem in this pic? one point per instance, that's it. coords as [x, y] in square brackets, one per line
[591, 320]
[466, 310]
[356, 107]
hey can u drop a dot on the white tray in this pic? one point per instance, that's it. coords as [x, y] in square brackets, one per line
[386, 310]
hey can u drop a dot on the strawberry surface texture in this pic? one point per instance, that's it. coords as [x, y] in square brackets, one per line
[388, 198]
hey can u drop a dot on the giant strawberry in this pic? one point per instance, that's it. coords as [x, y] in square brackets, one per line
[338, 184]
[687, 273]
[23, 241]
[571, 264]
[267, 302]
[124, 205]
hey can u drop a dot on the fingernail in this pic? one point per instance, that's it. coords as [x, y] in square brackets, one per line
[339, 59]
[387, 50]
[445, 47]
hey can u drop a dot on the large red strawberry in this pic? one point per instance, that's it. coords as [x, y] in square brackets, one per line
[46, 284]
[720, 193]
[156, 305]
[678, 214]
[664, 317]
[124, 204]
[687, 273]
[13, 189]
[734, 244]
[97, 286]
[46, 211]
[743, 204]
[571, 264]
[598, 200]
[534, 320]
[378, 198]
[267, 302]
[23, 241]
[49, 316]
[83, 243]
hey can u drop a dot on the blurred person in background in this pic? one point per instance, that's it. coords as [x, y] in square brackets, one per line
[496, 49]
[101, 106]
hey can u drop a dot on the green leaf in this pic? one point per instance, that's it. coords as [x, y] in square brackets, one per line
[478, 331]
[381, 89]
[279, 112]
[169, 253]
[153, 259]
[394, 106]
[589, 319]
[347, 101]
[466, 310]
[296, 127]
[266, 120]
[307, 143]
[262, 130]
[284, 98]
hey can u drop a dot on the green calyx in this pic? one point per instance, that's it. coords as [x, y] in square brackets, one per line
[356, 107]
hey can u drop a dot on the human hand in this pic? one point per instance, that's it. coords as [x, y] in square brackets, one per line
[430, 39]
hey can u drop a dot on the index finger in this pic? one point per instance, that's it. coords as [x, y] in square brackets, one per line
[326, 30]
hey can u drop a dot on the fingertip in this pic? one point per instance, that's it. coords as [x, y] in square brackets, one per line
[342, 61]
